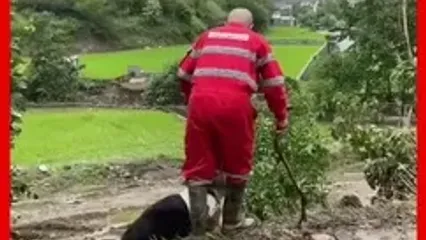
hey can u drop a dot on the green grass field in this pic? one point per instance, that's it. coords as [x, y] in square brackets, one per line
[113, 64]
[293, 58]
[92, 135]
[293, 33]
[84, 135]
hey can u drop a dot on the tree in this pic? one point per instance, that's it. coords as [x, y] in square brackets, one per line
[380, 66]
[152, 11]
[354, 86]
[53, 76]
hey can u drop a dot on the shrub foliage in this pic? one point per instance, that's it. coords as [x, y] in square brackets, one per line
[390, 156]
[52, 75]
[135, 23]
[271, 191]
[164, 88]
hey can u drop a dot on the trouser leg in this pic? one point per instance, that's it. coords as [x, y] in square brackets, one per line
[237, 150]
[199, 167]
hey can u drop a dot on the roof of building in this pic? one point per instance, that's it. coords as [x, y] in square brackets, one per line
[345, 44]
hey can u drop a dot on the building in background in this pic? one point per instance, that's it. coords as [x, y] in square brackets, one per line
[284, 10]
[283, 14]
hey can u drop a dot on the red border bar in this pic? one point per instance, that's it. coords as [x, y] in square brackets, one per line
[421, 74]
[4, 120]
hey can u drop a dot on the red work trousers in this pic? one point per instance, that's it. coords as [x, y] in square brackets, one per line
[219, 139]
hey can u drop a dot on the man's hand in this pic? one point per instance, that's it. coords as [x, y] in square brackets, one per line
[281, 128]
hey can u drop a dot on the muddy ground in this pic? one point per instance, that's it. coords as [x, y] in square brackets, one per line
[100, 208]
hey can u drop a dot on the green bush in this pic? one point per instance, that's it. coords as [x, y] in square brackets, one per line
[183, 11]
[18, 78]
[152, 11]
[390, 156]
[335, 76]
[164, 88]
[388, 152]
[350, 111]
[91, 18]
[20, 185]
[53, 77]
[128, 7]
[18, 85]
[271, 191]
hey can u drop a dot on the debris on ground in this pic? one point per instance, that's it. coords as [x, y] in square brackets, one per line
[350, 200]
[102, 209]
[43, 169]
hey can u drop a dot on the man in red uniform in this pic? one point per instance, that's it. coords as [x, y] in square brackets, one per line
[224, 67]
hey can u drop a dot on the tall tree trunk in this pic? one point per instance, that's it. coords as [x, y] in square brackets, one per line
[406, 33]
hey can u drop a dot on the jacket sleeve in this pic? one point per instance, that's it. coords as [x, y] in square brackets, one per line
[187, 66]
[272, 81]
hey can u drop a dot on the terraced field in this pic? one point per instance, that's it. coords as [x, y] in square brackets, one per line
[113, 64]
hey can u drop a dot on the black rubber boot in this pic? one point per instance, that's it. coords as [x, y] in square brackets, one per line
[233, 210]
[198, 211]
[214, 222]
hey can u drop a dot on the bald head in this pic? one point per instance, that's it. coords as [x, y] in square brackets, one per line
[241, 15]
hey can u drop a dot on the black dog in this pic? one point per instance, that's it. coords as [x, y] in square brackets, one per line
[169, 219]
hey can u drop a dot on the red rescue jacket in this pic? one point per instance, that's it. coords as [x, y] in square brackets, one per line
[234, 58]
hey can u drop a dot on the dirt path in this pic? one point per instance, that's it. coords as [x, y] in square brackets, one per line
[101, 212]
[89, 212]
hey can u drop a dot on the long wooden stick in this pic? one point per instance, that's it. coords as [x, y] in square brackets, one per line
[303, 199]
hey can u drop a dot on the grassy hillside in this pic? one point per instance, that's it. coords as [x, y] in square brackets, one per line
[96, 25]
